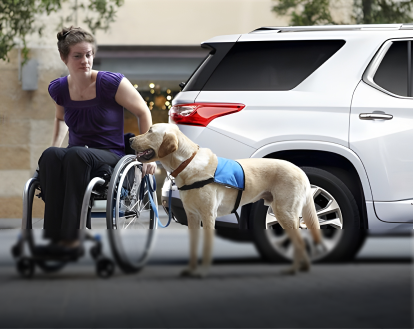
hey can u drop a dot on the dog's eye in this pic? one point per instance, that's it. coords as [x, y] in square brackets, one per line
[150, 131]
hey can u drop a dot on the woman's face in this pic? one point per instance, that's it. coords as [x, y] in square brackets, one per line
[80, 58]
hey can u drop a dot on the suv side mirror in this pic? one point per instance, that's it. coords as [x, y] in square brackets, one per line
[182, 85]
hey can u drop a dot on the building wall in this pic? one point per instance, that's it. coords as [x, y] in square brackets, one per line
[26, 117]
[187, 22]
[25, 126]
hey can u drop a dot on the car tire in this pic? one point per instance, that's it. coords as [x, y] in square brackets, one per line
[343, 243]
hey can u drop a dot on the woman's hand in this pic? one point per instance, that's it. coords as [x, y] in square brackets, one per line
[149, 168]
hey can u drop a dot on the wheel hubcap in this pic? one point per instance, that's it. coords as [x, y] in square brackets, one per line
[330, 221]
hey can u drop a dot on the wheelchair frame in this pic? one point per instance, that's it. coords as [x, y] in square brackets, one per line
[104, 266]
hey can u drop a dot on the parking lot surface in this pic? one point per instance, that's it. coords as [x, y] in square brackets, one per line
[242, 291]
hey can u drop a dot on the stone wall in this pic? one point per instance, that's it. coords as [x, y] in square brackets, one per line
[26, 124]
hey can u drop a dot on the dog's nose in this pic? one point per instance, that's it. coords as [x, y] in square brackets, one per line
[131, 141]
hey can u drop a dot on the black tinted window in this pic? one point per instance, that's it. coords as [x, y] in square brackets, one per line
[270, 65]
[203, 72]
[392, 74]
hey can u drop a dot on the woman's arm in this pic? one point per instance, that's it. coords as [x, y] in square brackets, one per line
[60, 128]
[128, 97]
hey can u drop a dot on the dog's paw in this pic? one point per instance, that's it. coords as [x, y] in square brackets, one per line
[201, 273]
[289, 271]
[192, 273]
[304, 266]
[187, 272]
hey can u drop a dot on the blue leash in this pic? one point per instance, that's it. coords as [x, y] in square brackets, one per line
[146, 184]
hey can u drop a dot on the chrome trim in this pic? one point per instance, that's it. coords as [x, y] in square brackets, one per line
[27, 186]
[407, 26]
[86, 200]
[372, 68]
[373, 116]
[360, 27]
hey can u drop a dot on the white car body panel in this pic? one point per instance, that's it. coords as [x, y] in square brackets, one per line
[379, 227]
[384, 146]
[329, 89]
[317, 115]
[287, 116]
[185, 97]
[223, 38]
[400, 211]
[386, 149]
[205, 137]
[321, 146]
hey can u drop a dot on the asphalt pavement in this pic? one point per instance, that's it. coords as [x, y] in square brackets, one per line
[373, 291]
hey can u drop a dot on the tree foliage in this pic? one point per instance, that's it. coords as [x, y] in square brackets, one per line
[318, 12]
[383, 11]
[305, 12]
[21, 18]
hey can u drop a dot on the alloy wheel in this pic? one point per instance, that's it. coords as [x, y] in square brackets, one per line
[330, 221]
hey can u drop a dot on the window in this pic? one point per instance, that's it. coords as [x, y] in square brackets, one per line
[270, 65]
[200, 76]
[393, 74]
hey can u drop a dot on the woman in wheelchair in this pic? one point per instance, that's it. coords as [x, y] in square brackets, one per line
[89, 104]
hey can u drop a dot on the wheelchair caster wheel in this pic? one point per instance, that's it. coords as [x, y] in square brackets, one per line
[16, 251]
[95, 251]
[105, 268]
[26, 267]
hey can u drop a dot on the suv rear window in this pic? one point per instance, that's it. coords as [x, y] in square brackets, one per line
[393, 74]
[269, 65]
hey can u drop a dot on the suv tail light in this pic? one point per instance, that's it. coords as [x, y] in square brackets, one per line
[201, 114]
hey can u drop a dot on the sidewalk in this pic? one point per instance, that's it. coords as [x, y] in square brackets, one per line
[98, 221]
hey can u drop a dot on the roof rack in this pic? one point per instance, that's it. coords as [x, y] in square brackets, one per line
[361, 27]
[406, 26]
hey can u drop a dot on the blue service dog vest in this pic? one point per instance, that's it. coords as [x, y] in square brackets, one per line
[229, 173]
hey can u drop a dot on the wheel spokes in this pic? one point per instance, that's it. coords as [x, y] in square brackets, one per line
[133, 220]
[315, 191]
[143, 207]
[280, 240]
[331, 207]
[330, 220]
[336, 222]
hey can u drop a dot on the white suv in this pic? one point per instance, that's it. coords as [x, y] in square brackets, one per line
[334, 100]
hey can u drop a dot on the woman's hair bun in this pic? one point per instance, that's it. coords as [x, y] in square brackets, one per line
[69, 36]
[62, 34]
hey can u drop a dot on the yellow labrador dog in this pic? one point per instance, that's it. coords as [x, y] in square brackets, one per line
[281, 184]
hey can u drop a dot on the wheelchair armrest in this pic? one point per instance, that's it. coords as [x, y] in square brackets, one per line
[36, 174]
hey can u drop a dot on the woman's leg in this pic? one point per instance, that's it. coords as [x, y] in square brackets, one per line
[78, 164]
[53, 192]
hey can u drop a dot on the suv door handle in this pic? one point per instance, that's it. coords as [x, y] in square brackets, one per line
[373, 116]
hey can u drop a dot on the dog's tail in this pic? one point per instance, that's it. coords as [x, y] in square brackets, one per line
[310, 218]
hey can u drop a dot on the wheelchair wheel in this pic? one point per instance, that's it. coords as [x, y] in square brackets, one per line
[33, 230]
[130, 219]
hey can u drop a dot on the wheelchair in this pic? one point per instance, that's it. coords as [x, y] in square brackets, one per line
[130, 222]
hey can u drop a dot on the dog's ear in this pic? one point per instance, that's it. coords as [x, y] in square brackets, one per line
[169, 145]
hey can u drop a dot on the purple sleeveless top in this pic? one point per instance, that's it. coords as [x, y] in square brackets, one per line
[98, 122]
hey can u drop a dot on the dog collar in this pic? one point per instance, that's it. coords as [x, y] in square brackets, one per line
[182, 166]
